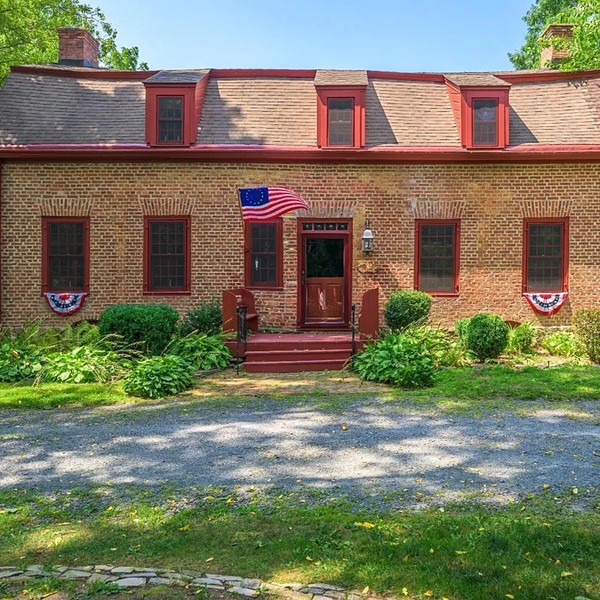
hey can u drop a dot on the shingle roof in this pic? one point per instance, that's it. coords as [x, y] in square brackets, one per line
[58, 105]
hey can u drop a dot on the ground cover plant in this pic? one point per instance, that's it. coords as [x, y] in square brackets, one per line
[539, 547]
[159, 376]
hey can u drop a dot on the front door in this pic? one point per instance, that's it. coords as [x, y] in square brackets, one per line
[324, 274]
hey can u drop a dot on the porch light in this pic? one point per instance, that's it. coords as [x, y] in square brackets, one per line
[367, 238]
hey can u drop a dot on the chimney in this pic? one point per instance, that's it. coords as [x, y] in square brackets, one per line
[551, 56]
[77, 48]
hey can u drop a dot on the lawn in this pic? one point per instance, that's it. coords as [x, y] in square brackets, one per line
[540, 548]
[463, 387]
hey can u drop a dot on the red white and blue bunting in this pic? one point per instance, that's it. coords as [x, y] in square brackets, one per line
[65, 304]
[546, 304]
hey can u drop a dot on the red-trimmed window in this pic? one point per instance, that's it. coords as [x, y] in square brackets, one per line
[341, 117]
[65, 254]
[170, 119]
[437, 245]
[167, 255]
[485, 118]
[264, 254]
[545, 255]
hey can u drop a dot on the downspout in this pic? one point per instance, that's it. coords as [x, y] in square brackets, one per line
[1, 273]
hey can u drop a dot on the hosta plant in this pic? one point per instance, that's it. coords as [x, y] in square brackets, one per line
[160, 376]
[202, 351]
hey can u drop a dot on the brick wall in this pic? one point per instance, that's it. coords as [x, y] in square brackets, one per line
[490, 200]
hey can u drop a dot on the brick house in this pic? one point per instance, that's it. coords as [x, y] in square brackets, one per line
[477, 187]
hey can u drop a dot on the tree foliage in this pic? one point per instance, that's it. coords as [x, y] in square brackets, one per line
[584, 46]
[28, 33]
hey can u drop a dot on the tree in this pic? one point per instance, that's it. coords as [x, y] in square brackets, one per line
[28, 33]
[584, 46]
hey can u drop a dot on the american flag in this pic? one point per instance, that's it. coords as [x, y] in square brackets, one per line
[264, 203]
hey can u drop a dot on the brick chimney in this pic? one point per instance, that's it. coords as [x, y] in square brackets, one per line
[77, 48]
[551, 56]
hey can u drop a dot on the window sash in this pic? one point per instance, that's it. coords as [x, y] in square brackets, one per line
[264, 254]
[340, 122]
[545, 257]
[66, 251]
[437, 257]
[485, 125]
[170, 119]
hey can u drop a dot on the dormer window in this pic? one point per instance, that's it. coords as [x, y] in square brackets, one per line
[170, 119]
[340, 122]
[485, 122]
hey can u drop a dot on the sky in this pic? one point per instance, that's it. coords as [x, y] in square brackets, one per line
[383, 35]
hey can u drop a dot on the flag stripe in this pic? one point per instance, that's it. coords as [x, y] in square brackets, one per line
[278, 200]
[281, 208]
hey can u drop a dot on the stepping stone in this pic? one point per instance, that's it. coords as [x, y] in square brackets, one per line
[226, 578]
[122, 570]
[75, 574]
[326, 586]
[251, 584]
[100, 577]
[7, 574]
[128, 582]
[160, 581]
[207, 581]
[104, 567]
[249, 593]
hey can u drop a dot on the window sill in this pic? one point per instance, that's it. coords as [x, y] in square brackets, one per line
[65, 292]
[341, 148]
[168, 293]
[268, 288]
[442, 294]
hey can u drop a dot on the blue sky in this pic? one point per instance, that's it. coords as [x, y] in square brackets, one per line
[401, 35]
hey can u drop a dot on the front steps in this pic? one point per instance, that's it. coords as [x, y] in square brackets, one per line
[295, 352]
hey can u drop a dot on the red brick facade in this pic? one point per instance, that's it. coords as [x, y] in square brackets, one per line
[491, 201]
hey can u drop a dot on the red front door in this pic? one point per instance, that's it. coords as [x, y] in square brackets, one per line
[324, 274]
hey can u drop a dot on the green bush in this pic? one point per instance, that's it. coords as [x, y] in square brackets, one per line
[396, 359]
[160, 376]
[206, 318]
[460, 327]
[586, 322]
[446, 350]
[406, 307]
[563, 343]
[147, 327]
[18, 363]
[201, 351]
[487, 336]
[83, 364]
[521, 339]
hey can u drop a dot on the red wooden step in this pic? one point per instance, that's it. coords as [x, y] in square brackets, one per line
[294, 366]
[298, 354]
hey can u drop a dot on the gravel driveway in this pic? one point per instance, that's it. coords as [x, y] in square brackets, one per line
[364, 448]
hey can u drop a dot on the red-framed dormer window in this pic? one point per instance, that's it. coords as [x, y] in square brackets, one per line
[170, 115]
[546, 255]
[437, 256]
[341, 117]
[167, 255]
[65, 254]
[485, 119]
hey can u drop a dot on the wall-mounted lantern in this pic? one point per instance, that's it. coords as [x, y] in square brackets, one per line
[367, 238]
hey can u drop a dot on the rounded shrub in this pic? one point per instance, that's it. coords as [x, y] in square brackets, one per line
[521, 339]
[487, 336]
[396, 359]
[160, 376]
[206, 318]
[405, 307]
[145, 327]
[587, 327]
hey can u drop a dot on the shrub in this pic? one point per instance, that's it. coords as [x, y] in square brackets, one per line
[562, 343]
[446, 350]
[487, 336]
[83, 364]
[160, 376]
[587, 327]
[396, 359]
[201, 351]
[460, 327]
[406, 307]
[206, 318]
[17, 362]
[521, 339]
[147, 327]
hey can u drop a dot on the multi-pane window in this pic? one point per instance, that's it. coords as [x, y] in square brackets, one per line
[340, 125]
[263, 254]
[437, 256]
[167, 254]
[65, 252]
[485, 122]
[545, 256]
[170, 119]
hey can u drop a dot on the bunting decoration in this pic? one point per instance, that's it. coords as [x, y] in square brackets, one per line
[264, 203]
[65, 304]
[546, 304]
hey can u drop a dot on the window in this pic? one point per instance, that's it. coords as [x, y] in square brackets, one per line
[167, 254]
[65, 254]
[485, 122]
[437, 256]
[341, 117]
[545, 260]
[170, 119]
[264, 254]
[340, 112]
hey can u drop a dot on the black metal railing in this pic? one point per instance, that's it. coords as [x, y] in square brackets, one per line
[241, 329]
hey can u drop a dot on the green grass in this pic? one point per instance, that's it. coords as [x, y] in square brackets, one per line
[538, 549]
[53, 395]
